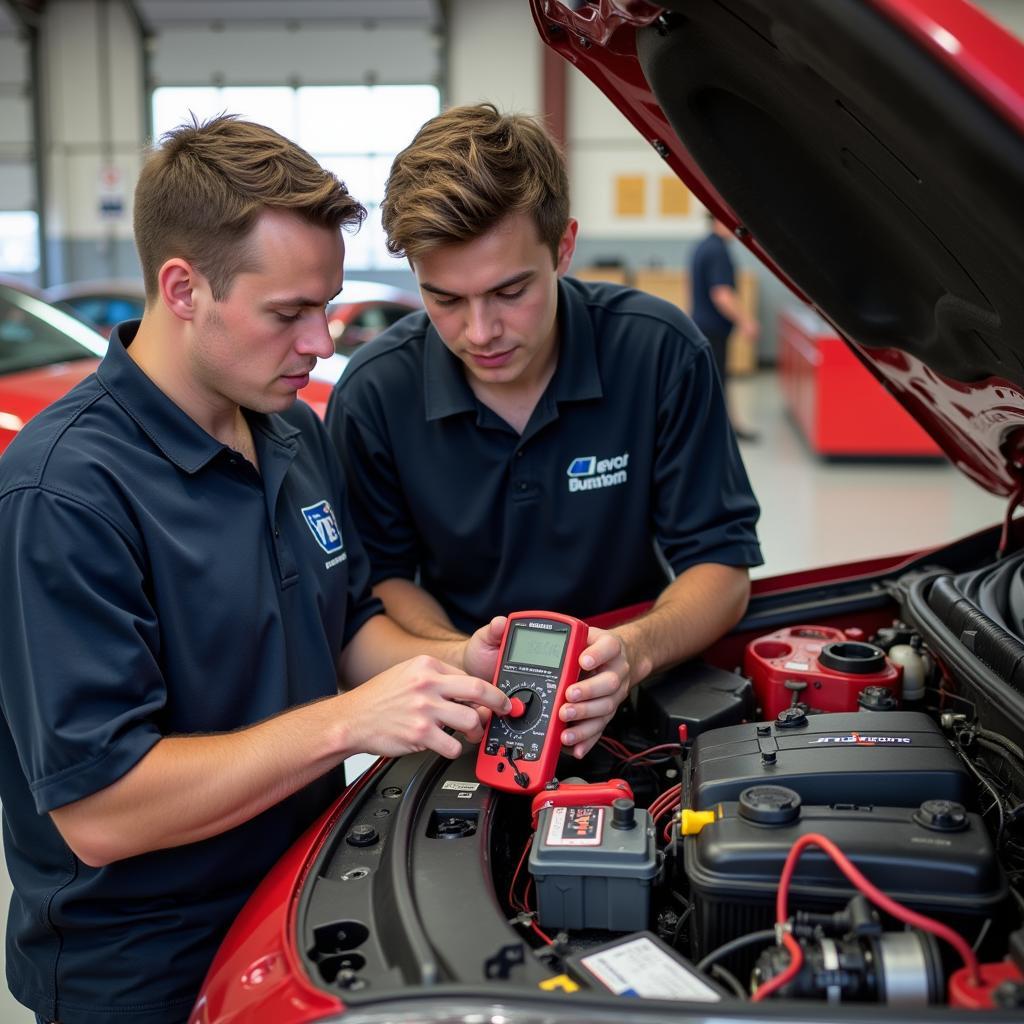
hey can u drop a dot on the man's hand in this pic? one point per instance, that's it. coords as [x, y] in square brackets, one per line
[594, 699]
[407, 708]
[480, 656]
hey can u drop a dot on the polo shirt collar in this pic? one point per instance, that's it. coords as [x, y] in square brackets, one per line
[577, 377]
[446, 391]
[167, 425]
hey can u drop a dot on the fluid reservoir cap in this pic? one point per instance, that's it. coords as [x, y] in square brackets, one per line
[791, 718]
[769, 805]
[941, 816]
[876, 698]
[852, 656]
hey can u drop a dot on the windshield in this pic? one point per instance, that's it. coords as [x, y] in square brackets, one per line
[34, 334]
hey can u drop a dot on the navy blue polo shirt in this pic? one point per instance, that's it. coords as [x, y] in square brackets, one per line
[627, 471]
[711, 267]
[152, 583]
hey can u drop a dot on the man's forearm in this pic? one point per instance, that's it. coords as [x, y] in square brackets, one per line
[415, 610]
[385, 639]
[691, 613]
[189, 788]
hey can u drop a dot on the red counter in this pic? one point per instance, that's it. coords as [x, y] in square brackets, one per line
[836, 403]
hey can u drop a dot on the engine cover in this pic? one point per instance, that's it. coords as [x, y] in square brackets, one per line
[937, 859]
[899, 758]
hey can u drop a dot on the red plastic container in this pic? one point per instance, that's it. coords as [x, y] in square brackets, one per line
[819, 666]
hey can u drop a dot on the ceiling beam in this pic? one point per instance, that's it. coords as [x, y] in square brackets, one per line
[26, 13]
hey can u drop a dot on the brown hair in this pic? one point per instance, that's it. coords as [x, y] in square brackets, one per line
[201, 192]
[466, 170]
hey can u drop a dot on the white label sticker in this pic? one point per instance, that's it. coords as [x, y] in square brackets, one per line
[641, 968]
[797, 666]
[466, 787]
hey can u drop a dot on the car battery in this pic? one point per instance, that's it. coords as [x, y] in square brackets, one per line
[593, 867]
[936, 858]
[899, 758]
[817, 666]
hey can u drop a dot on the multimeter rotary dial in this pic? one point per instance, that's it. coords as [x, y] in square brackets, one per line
[533, 708]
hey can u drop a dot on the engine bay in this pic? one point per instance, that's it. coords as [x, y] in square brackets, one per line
[826, 808]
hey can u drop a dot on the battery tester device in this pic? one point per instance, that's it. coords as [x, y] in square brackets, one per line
[538, 661]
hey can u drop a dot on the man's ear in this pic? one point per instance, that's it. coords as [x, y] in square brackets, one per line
[177, 283]
[566, 247]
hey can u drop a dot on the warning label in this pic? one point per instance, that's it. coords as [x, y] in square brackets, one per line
[575, 826]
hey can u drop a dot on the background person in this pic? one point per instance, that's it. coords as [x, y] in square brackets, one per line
[531, 441]
[717, 309]
[182, 592]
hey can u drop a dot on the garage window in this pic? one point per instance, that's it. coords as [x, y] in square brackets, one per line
[19, 242]
[353, 130]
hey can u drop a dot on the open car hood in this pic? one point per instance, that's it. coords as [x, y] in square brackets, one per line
[871, 154]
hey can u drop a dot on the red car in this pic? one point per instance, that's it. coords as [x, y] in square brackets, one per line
[827, 807]
[104, 304]
[43, 353]
[365, 308]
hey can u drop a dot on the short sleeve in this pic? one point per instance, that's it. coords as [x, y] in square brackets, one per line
[376, 496]
[80, 681]
[705, 510]
[720, 268]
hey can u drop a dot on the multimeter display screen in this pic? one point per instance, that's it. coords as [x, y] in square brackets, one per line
[536, 647]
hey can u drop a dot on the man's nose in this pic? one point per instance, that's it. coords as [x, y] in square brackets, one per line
[482, 326]
[316, 339]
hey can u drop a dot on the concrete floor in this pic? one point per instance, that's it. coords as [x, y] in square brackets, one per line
[813, 513]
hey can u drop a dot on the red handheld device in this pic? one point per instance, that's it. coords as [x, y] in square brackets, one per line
[538, 661]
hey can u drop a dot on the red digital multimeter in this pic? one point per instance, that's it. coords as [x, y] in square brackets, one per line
[538, 661]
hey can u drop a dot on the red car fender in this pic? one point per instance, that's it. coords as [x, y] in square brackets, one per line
[257, 974]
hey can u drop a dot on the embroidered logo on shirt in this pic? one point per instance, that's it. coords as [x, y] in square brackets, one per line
[588, 472]
[321, 521]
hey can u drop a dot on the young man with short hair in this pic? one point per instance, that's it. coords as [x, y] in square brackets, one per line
[531, 441]
[182, 593]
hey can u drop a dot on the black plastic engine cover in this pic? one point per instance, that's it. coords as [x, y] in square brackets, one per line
[899, 758]
[913, 855]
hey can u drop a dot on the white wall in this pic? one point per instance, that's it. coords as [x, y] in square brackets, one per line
[17, 187]
[494, 53]
[93, 117]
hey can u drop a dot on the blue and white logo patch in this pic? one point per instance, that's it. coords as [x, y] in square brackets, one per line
[324, 526]
[589, 473]
[583, 466]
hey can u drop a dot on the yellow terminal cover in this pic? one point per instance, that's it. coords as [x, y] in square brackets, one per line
[693, 821]
[561, 981]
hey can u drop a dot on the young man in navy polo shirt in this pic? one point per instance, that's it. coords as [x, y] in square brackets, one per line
[531, 441]
[182, 591]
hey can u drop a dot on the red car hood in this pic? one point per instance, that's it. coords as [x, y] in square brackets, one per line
[24, 394]
[871, 154]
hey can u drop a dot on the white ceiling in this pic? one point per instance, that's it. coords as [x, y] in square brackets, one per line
[157, 14]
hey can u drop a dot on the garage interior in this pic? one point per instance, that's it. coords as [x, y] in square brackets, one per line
[85, 85]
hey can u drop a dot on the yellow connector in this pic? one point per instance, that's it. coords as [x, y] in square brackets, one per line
[693, 821]
[561, 982]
